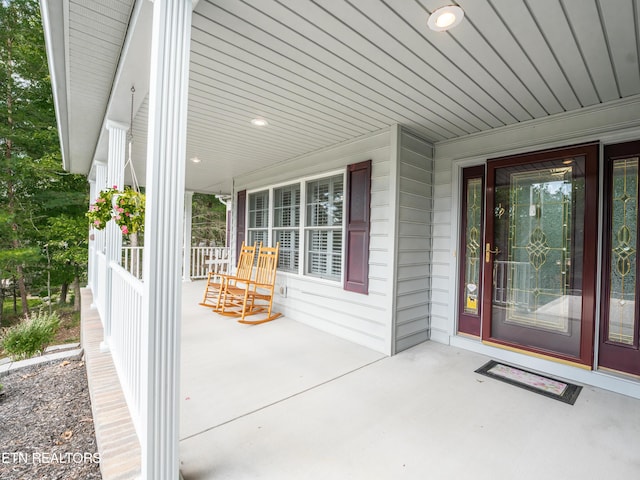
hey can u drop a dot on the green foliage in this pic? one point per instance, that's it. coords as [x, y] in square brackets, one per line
[31, 336]
[66, 247]
[9, 259]
[209, 221]
[26, 105]
[37, 198]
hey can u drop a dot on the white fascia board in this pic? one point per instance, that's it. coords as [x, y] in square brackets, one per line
[56, 37]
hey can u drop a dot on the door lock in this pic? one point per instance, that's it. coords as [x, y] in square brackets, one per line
[488, 252]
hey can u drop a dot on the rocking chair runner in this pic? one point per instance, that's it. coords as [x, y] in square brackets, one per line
[253, 296]
[217, 281]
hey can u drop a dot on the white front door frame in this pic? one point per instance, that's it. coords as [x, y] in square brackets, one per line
[598, 378]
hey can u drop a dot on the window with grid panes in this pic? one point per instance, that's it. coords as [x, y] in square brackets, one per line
[286, 225]
[258, 227]
[323, 228]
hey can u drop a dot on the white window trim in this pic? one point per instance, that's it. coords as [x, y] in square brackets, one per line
[269, 214]
[302, 228]
[273, 228]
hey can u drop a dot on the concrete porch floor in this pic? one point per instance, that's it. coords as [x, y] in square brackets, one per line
[285, 401]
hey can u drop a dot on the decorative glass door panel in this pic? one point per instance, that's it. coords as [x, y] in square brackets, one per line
[620, 338]
[471, 251]
[535, 252]
[473, 247]
[622, 277]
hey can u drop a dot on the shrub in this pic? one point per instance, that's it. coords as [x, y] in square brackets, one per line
[31, 336]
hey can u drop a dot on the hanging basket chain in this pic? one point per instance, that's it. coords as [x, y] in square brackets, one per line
[126, 207]
[134, 178]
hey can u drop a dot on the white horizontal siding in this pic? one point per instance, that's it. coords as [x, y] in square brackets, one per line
[364, 319]
[414, 241]
[442, 246]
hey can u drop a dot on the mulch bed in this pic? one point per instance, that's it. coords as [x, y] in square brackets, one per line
[46, 425]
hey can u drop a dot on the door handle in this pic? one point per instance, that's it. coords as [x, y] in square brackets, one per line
[488, 252]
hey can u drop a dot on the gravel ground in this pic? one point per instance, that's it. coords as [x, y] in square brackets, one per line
[46, 426]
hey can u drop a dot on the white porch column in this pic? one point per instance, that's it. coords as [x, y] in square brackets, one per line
[163, 236]
[227, 201]
[113, 246]
[101, 184]
[98, 235]
[91, 261]
[186, 256]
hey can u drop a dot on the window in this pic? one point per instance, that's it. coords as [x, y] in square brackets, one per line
[324, 227]
[259, 217]
[286, 226]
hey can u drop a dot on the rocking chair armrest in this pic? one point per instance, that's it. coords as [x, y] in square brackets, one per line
[225, 278]
[255, 284]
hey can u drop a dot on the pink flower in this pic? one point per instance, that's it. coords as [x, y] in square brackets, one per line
[120, 209]
[128, 214]
[117, 217]
[124, 229]
[96, 223]
[115, 187]
[100, 200]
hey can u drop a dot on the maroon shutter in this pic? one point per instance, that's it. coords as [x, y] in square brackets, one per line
[241, 209]
[358, 223]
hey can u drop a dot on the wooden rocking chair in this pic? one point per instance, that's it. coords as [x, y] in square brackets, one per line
[254, 296]
[216, 281]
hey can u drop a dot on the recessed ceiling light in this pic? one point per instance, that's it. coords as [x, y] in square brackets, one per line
[445, 18]
[195, 159]
[259, 122]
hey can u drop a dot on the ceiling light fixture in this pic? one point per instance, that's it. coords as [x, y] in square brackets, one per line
[445, 18]
[259, 122]
[195, 159]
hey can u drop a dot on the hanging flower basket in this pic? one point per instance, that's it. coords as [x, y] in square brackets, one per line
[125, 207]
[100, 212]
[129, 211]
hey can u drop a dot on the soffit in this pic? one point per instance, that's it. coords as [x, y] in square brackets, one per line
[326, 71]
[95, 31]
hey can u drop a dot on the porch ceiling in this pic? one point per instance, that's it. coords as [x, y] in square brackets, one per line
[325, 71]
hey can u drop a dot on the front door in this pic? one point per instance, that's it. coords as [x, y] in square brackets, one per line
[619, 327]
[539, 252]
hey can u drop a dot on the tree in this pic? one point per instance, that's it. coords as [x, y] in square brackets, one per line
[33, 187]
[67, 258]
[208, 220]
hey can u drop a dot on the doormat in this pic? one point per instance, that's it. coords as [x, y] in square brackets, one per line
[556, 389]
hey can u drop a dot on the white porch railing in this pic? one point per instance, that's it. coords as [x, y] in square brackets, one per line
[126, 338]
[203, 260]
[206, 259]
[132, 261]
